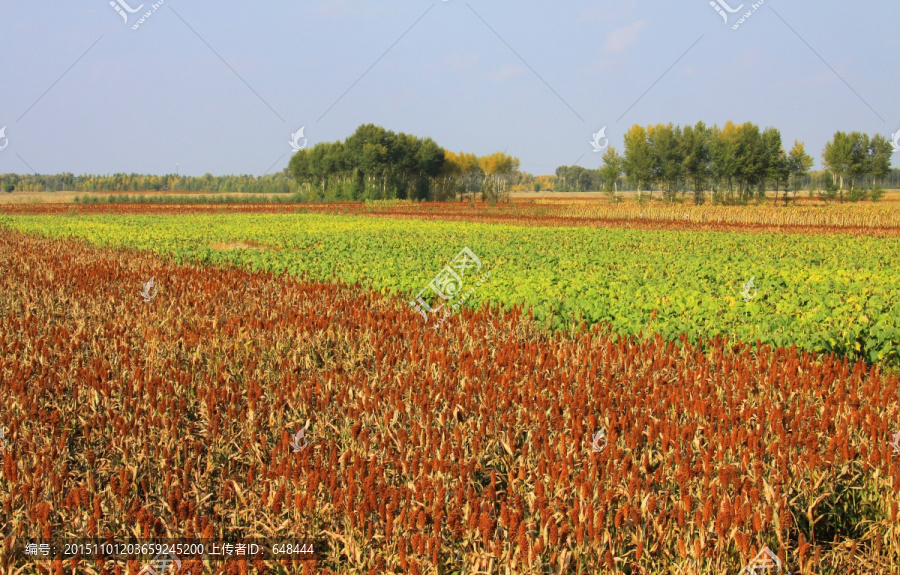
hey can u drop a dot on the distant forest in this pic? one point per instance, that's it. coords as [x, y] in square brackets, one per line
[731, 165]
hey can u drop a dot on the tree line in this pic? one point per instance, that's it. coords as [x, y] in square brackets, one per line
[733, 165]
[377, 164]
[280, 183]
[856, 163]
[730, 165]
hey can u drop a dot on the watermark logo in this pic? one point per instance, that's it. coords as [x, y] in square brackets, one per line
[753, 8]
[749, 290]
[895, 141]
[896, 442]
[765, 562]
[124, 8]
[295, 140]
[300, 435]
[599, 441]
[448, 284]
[724, 6]
[600, 135]
[5, 140]
[149, 291]
[160, 565]
[3, 441]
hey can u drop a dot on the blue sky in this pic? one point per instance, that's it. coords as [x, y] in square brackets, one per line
[220, 86]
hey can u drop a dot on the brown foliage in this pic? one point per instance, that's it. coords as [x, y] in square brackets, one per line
[174, 417]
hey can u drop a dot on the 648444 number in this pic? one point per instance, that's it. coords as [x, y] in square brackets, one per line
[292, 549]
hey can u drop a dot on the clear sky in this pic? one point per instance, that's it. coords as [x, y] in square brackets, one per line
[220, 86]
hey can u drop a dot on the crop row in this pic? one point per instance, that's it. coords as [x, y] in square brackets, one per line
[826, 294]
[882, 220]
[846, 216]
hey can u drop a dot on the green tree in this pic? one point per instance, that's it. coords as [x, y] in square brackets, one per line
[668, 157]
[638, 162]
[799, 164]
[838, 158]
[777, 167]
[860, 164]
[610, 172]
[750, 156]
[880, 152]
[696, 154]
[723, 161]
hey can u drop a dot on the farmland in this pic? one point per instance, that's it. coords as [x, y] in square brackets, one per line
[449, 288]
[462, 450]
[881, 220]
[822, 293]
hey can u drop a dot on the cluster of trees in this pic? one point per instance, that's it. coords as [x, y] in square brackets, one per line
[376, 164]
[271, 184]
[856, 163]
[493, 176]
[373, 163]
[736, 163]
[579, 179]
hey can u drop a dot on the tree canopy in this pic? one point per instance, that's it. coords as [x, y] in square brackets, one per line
[737, 163]
[375, 163]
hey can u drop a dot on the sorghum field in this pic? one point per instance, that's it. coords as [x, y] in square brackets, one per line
[467, 449]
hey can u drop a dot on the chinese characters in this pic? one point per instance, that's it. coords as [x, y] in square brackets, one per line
[447, 284]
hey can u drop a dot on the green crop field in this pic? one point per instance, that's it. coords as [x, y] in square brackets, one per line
[823, 293]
